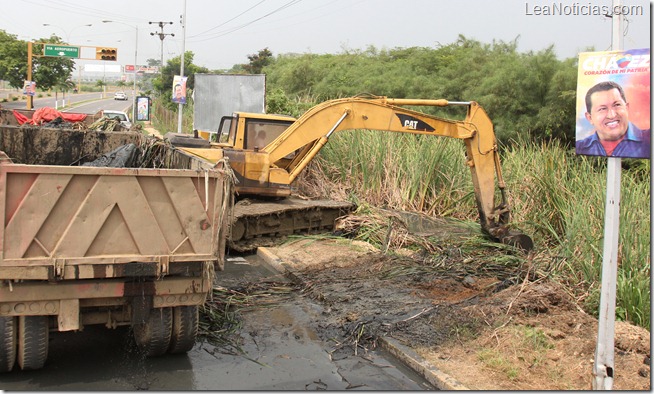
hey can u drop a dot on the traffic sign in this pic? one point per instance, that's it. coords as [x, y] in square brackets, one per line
[61, 51]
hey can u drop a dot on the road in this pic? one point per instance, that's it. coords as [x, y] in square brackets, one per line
[86, 103]
[282, 352]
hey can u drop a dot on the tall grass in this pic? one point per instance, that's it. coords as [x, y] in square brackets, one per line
[556, 196]
[562, 197]
[165, 120]
[409, 172]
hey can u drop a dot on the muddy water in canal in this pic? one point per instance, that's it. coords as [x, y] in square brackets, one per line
[281, 352]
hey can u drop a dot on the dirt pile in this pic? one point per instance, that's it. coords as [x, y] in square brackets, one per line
[488, 331]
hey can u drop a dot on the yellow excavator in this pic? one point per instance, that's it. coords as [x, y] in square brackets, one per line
[268, 152]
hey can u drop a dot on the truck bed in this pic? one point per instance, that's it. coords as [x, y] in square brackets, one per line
[89, 244]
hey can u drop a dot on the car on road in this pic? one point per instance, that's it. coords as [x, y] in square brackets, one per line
[122, 117]
[120, 96]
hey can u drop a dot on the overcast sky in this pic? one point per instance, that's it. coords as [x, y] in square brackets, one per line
[222, 33]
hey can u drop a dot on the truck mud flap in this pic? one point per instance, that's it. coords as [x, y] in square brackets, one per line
[141, 303]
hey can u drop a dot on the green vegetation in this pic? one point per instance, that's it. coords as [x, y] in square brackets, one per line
[48, 72]
[494, 360]
[526, 94]
[556, 196]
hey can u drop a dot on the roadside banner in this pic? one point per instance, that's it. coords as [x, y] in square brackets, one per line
[143, 108]
[616, 87]
[179, 89]
[29, 88]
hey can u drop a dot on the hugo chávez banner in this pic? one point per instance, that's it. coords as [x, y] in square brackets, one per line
[179, 89]
[613, 104]
[29, 88]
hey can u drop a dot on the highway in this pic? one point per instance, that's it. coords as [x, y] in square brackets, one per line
[86, 103]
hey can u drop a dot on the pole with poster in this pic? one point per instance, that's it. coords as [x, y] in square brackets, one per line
[613, 120]
[181, 71]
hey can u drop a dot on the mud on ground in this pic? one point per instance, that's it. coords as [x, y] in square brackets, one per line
[485, 329]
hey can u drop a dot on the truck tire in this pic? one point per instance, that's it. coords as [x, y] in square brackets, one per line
[7, 343]
[185, 329]
[32, 346]
[153, 337]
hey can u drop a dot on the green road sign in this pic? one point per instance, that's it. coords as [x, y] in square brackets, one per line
[61, 51]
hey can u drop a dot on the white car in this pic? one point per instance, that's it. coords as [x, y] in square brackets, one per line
[122, 116]
[120, 96]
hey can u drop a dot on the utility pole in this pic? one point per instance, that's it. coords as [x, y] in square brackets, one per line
[30, 99]
[162, 35]
[604, 363]
[181, 71]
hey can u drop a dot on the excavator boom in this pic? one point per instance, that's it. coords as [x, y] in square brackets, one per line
[269, 167]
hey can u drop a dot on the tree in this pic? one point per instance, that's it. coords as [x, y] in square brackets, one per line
[153, 62]
[47, 72]
[65, 86]
[13, 59]
[525, 94]
[258, 61]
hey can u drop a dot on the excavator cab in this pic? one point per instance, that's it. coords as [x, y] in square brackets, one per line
[251, 131]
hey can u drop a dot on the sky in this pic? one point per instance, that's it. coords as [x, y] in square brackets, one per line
[222, 33]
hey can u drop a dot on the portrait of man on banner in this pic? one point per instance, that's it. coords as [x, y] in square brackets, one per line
[179, 89]
[613, 104]
[29, 88]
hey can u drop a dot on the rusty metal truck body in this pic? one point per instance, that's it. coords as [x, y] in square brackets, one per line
[82, 245]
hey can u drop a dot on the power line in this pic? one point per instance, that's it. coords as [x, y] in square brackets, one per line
[219, 34]
[68, 7]
[227, 21]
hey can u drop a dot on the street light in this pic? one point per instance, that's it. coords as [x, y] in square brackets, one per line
[136, 44]
[67, 32]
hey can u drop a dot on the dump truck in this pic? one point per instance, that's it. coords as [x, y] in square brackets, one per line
[113, 229]
[268, 152]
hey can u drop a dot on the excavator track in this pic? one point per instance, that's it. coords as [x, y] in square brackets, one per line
[263, 223]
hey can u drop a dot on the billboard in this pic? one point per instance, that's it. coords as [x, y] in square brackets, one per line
[129, 68]
[613, 104]
[218, 95]
[100, 68]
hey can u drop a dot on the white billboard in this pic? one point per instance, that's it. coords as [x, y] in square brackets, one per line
[99, 68]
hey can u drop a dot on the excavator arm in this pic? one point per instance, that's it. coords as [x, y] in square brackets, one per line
[312, 130]
[268, 169]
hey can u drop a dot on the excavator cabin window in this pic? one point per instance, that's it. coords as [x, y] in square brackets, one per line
[260, 133]
[227, 130]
